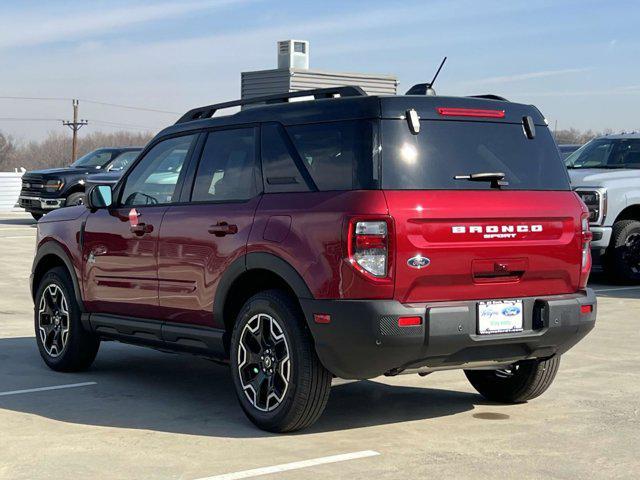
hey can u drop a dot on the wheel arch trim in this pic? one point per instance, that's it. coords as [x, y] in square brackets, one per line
[257, 261]
[53, 248]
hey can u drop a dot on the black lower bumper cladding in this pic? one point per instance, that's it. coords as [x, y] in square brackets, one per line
[363, 339]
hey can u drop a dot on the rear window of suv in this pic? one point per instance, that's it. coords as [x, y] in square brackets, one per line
[443, 149]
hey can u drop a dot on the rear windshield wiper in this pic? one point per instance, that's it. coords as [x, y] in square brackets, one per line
[496, 178]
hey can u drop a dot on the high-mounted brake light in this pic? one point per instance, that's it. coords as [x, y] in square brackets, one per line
[369, 247]
[470, 112]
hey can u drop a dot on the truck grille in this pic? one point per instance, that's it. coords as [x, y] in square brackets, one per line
[32, 185]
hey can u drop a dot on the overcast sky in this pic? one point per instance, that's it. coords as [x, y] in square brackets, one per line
[578, 61]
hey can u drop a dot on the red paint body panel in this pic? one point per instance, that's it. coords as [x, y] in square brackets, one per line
[191, 260]
[316, 242]
[62, 227]
[120, 267]
[526, 263]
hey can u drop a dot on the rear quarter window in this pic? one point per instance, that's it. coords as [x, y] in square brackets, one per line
[337, 155]
[444, 149]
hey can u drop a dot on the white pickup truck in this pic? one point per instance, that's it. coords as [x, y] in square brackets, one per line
[605, 172]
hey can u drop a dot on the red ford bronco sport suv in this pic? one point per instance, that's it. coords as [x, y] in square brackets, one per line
[349, 235]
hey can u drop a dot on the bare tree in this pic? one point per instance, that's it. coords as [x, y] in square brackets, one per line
[55, 149]
[7, 151]
[576, 137]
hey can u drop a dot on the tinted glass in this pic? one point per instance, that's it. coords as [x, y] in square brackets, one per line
[153, 180]
[444, 149]
[339, 155]
[97, 158]
[607, 153]
[279, 168]
[122, 161]
[228, 168]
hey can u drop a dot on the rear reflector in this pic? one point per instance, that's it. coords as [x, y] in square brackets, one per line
[371, 241]
[586, 309]
[470, 112]
[321, 318]
[409, 321]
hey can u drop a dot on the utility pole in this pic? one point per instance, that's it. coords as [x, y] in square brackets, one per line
[75, 126]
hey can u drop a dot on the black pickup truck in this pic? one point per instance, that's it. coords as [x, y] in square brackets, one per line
[46, 190]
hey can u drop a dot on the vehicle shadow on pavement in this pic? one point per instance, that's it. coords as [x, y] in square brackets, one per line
[140, 388]
[28, 222]
[368, 403]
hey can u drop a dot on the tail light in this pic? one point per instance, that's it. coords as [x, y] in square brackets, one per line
[368, 247]
[586, 237]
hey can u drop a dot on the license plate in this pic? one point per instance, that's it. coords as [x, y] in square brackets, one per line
[500, 316]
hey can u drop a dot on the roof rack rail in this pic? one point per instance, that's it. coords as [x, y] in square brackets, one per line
[209, 110]
[490, 96]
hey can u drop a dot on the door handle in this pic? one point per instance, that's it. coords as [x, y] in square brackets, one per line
[141, 228]
[221, 229]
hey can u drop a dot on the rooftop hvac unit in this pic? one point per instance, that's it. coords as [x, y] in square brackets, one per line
[293, 54]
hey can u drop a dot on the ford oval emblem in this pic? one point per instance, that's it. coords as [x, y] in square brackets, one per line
[511, 311]
[418, 262]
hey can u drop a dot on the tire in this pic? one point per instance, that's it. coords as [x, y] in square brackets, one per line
[75, 199]
[75, 348]
[622, 262]
[524, 381]
[291, 406]
[37, 216]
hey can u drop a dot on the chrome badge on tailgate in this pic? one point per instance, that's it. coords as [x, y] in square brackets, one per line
[496, 231]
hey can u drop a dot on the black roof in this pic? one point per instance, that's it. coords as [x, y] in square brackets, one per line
[355, 107]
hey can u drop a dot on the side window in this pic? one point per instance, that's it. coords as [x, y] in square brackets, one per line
[122, 161]
[228, 167]
[153, 181]
[279, 169]
[338, 155]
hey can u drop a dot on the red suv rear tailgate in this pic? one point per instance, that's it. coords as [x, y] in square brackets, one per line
[484, 244]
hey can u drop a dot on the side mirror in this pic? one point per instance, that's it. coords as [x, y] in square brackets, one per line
[99, 196]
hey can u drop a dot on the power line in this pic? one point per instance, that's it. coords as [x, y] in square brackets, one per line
[19, 119]
[35, 98]
[117, 124]
[97, 122]
[109, 122]
[95, 102]
[129, 107]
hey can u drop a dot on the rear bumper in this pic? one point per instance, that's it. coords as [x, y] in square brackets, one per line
[40, 204]
[363, 339]
[601, 237]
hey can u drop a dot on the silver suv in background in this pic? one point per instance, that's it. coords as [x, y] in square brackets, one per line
[605, 172]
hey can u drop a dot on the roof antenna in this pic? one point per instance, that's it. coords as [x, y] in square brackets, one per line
[426, 88]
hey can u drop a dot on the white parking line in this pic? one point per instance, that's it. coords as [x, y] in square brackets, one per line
[256, 472]
[19, 236]
[44, 389]
[614, 289]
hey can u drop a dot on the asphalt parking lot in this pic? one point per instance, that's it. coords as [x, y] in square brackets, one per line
[143, 414]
